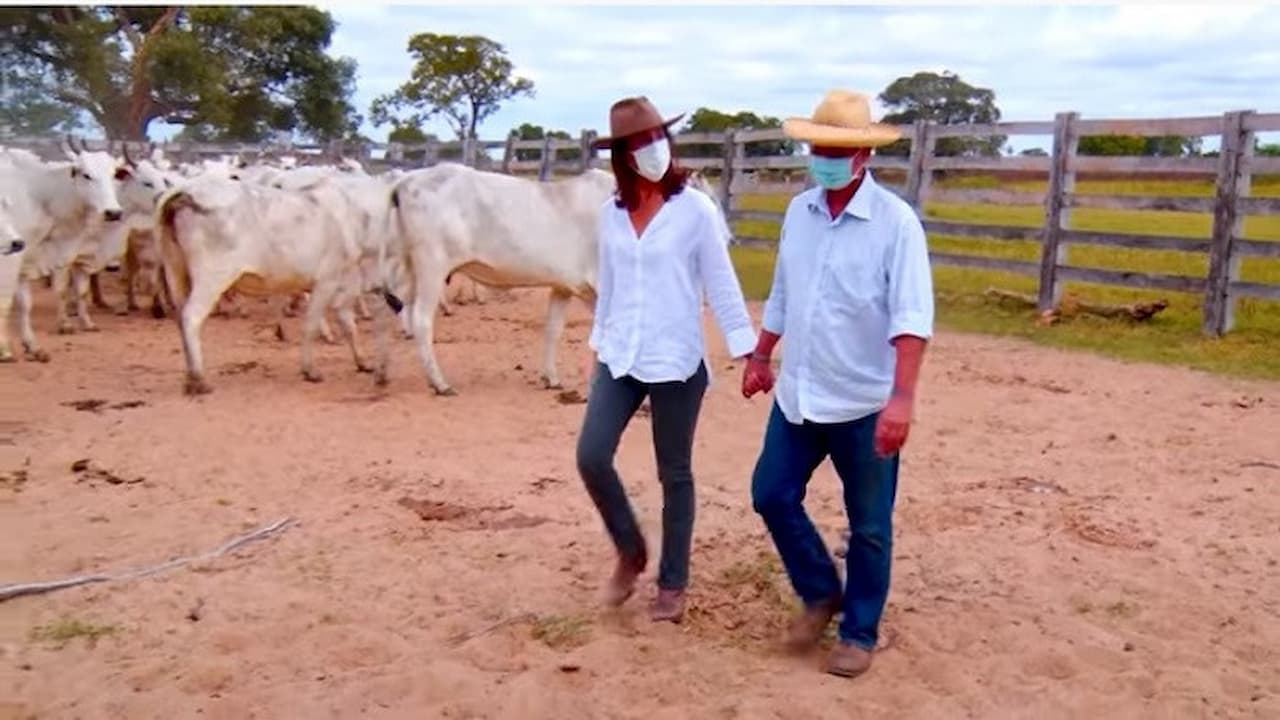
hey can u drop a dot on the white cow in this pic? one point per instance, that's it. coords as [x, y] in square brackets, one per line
[504, 232]
[216, 234]
[58, 208]
[11, 249]
[140, 259]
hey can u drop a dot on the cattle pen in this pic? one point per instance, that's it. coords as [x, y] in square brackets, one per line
[1075, 536]
[1202, 225]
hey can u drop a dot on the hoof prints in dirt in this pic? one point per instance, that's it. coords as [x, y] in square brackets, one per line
[14, 480]
[85, 472]
[462, 517]
[97, 406]
[571, 397]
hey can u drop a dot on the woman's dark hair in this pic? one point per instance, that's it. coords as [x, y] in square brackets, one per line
[672, 183]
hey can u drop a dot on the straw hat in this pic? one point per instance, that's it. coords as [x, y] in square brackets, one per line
[633, 115]
[842, 119]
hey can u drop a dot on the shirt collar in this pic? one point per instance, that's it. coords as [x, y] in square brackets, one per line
[859, 205]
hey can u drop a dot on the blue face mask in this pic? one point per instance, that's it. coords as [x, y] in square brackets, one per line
[831, 173]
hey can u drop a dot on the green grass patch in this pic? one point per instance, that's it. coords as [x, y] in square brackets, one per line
[68, 629]
[1172, 337]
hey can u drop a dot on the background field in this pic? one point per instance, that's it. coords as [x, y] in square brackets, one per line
[1173, 336]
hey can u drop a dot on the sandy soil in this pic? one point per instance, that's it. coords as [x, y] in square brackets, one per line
[1076, 537]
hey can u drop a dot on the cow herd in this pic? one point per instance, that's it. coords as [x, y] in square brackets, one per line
[192, 237]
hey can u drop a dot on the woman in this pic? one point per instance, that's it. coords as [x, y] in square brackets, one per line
[662, 245]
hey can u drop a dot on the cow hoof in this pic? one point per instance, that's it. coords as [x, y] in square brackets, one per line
[447, 392]
[91, 328]
[197, 386]
[38, 355]
[381, 379]
[364, 368]
[7, 357]
[280, 332]
[66, 329]
[549, 384]
[157, 312]
[312, 376]
[124, 312]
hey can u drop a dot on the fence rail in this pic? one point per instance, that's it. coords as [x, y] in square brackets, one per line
[741, 172]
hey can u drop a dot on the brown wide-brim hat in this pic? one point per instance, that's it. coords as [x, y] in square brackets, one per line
[633, 115]
[842, 119]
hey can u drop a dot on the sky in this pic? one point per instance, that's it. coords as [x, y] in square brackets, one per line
[1117, 61]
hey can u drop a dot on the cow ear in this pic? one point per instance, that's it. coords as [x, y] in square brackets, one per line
[123, 174]
[73, 171]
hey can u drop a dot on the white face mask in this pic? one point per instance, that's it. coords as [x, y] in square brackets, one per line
[653, 159]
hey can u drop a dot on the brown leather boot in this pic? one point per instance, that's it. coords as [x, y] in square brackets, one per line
[669, 605]
[848, 660]
[623, 583]
[808, 626]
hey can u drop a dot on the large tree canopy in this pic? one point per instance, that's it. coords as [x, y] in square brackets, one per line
[227, 72]
[947, 100]
[466, 78]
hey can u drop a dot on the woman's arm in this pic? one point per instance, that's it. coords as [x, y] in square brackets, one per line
[724, 292]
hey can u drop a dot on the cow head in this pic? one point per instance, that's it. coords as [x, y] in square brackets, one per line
[94, 175]
[10, 242]
[142, 187]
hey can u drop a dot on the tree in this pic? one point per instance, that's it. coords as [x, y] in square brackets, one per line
[465, 78]
[25, 110]
[528, 131]
[706, 120]
[1268, 150]
[1136, 145]
[410, 135]
[947, 100]
[235, 73]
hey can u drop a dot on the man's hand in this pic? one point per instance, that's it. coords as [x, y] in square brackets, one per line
[757, 376]
[893, 425]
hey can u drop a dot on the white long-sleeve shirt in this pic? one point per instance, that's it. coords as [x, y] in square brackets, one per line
[650, 289]
[842, 290]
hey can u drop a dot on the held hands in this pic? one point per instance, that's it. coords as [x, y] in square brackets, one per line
[757, 376]
[893, 425]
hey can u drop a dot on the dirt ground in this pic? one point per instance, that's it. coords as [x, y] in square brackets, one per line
[1075, 537]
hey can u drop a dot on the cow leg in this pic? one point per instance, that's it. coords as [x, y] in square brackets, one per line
[477, 294]
[326, 332]
[95, 287]
[23, 302]
[321, 297]
[82, 282]
[362, 309]
[131, 279]
[203, 297]
[557, 303]
[424, 333]
[382, 331]
[346, 313]
[6, 347]
[61, 283]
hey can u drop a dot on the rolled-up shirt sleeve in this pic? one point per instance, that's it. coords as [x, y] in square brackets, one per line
[911, 304]
[723, 290]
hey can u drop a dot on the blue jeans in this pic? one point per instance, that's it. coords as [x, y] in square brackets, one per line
[790, 455]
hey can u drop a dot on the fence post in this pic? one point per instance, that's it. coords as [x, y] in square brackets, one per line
[587, 155]
[395, 154]
[1234, 179]
[1062, 180]
[509, 152]
[729, 153]
[431, 153]
[548, 159]
[919, 174]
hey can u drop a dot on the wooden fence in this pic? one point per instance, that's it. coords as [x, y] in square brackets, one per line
[740, 173]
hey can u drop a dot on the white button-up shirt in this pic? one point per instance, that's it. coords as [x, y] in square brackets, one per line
[650, 289]
[842, 290]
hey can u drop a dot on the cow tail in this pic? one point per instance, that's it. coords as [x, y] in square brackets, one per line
[394, 227]
[173, 262]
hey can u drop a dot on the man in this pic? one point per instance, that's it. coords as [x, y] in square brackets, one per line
[853, 294]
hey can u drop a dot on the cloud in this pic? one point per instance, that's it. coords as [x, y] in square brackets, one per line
[1118, 61]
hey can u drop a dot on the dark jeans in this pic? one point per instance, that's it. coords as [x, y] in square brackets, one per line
[675, 407]
[790, 455]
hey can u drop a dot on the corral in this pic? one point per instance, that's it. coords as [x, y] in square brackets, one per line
[1075, 536]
